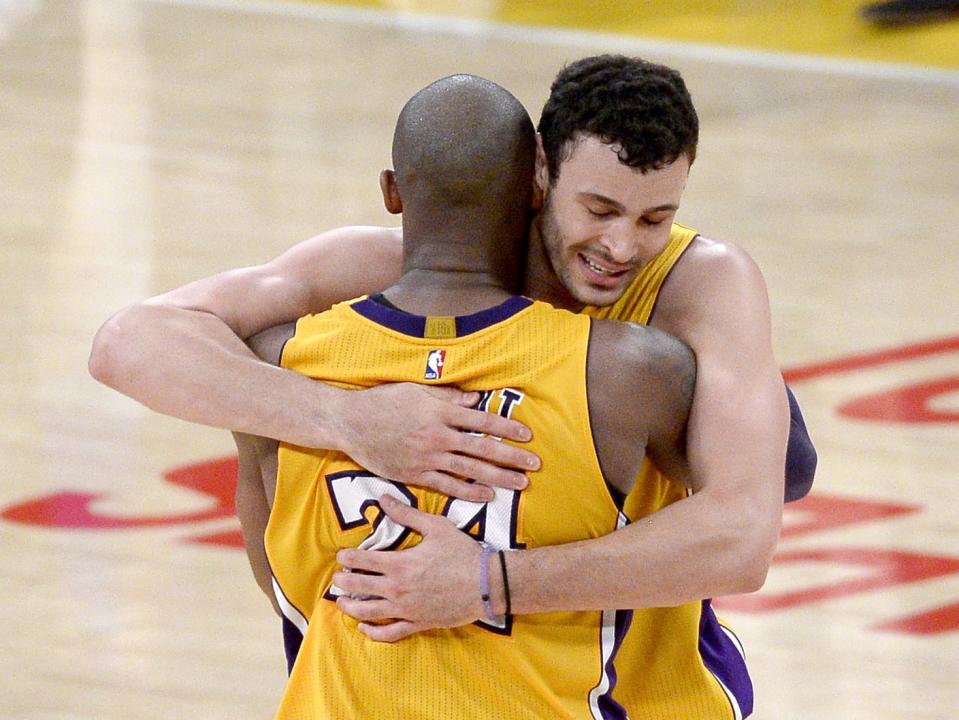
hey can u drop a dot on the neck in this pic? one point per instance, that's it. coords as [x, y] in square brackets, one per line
[541, 281]
[430, 291]
[452, 268]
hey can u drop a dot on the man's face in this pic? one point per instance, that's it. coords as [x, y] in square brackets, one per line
[602, 221]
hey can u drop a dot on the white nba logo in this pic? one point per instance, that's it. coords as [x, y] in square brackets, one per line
[434, 365]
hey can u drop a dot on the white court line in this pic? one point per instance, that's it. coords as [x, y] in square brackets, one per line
[626, 44]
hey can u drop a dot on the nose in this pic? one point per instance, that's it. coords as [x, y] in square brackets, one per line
[621, 242]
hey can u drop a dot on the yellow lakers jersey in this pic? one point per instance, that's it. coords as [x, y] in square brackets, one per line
[528, 360]
[677, 662]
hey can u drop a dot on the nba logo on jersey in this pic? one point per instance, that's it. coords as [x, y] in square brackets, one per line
[434, 365]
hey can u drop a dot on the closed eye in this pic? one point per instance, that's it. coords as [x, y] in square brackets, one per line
[599, 213]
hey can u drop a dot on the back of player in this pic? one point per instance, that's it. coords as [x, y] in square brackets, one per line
[529, 360]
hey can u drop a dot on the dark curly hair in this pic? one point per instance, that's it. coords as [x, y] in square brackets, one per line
[642, 108]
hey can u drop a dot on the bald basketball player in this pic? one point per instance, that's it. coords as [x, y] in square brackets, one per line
[463, 151]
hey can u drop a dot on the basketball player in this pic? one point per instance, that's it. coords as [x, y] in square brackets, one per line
[607, 233]
[463, 156]
[181, 353]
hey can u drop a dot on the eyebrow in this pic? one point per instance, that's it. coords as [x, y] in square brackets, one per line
[619, 206]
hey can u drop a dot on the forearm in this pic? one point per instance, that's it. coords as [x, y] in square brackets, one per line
[718, 541]
[191, 365]
[696, 548]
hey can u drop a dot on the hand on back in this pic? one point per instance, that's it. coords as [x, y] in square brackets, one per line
[417, 435]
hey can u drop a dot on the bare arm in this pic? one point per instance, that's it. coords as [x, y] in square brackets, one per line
[182, 354]
[253, 506]
[721, 539]
[718, 541]
[649, 415]
[256, 476]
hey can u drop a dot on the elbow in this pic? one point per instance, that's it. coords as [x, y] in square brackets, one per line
[102, 362]
[753, 574]
[751, 566]
[753, 551]
[109, 363]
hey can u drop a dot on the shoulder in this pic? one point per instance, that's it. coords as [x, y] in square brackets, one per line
[338, 265]
[372, 242]
[640, 386]
[715, 262]
[641, 352]
[713, 286]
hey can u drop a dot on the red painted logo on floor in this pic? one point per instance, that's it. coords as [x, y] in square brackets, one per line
[875, 569]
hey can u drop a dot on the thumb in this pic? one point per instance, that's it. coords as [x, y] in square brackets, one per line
[454, 395]
[405, 515]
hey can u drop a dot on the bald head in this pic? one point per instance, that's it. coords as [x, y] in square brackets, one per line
[463, 141]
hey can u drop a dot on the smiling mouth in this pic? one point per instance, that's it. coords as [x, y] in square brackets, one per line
[601, 270]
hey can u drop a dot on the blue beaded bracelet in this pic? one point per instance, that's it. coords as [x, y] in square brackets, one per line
[484, 583]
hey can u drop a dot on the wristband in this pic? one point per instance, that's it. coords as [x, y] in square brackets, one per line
[484, 583]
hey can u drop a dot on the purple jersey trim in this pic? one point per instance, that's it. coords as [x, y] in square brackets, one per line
[723, 659]
[415, 325]
[610, 709]
[292, 639]
[801, 455]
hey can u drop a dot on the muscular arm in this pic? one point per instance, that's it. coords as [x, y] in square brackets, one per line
[649, 415]
[182, 354]
[718, 541]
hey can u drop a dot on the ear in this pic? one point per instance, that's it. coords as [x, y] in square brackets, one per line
[391, 192]
[540, 175]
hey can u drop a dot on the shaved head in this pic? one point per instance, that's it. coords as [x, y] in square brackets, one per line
[463, 141]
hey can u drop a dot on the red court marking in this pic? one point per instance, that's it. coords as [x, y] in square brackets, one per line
[816, 513]
[216, 479]
[228, 538]
[871, 359]
[821, 512]
[889, 568]
[909, 404]
[931, 622]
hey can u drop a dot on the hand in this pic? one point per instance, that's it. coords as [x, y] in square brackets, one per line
[433, 584]
[413, 434]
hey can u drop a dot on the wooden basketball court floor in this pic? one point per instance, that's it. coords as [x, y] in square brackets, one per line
[144, 144]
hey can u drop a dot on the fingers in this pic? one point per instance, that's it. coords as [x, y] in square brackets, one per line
[453, 395]
[482, 472]
[454, 487]
[500, 455]
[362, 585]
[409, 517]
[378, 609]
[390, 632]
[429, 439]
[377, 561]
[488, 423]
